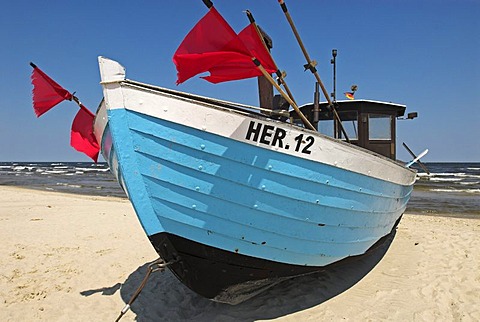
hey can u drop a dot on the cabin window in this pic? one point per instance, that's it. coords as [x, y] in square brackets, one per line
[351, 127]
[379, 127]
[350, 124]
[326, 127]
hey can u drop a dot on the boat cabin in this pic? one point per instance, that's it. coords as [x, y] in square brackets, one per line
[369, 124]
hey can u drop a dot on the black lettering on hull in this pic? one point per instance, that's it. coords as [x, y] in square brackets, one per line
[277, 137]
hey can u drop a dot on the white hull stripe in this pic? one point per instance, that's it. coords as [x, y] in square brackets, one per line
[262, 132]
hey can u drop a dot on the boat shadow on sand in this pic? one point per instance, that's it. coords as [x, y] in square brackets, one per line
[164, 298]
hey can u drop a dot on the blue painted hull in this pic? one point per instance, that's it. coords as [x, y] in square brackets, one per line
[236, 200]
[245, 199]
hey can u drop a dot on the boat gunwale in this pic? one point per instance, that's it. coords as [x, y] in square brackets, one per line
[233, 107]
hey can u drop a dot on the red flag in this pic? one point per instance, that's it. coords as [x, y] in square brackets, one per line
[234, 69]
[213, 46]
[46, 92]
[257, 48]
[350, 95]
[82, 138]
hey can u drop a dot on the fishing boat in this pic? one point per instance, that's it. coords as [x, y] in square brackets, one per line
[237, 198]
[237, 201]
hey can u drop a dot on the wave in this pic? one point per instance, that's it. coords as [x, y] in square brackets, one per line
[448, 174]
[21, 168]
[457, 190]
[54, 172]
[445, 179]
[433, 176]
[69, 185]
[470, 183]
[92, 170]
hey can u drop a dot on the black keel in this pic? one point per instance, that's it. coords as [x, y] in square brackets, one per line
[230, 277]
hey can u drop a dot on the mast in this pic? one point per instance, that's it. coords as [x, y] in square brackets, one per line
[311, 66]
[265, 89]
[333, 61]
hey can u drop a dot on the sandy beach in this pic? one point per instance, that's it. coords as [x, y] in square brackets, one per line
[68, 257]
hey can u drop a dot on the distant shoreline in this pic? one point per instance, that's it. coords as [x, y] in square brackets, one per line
[451, 190]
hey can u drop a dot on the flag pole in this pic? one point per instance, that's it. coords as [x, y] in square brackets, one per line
[285, 95]
[269, 77]
[47, 94]
[279, 74]
[311, 66]
[208, 3]
[76, 100]
[420, 163]
[71, 97]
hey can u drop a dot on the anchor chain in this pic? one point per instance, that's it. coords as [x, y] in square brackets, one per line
[157, 265]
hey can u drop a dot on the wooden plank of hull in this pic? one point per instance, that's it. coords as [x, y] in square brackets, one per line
[202, 194]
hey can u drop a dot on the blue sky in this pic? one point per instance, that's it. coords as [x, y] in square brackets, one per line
[424, 54]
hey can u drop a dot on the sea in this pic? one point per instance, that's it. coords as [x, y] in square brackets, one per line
[451, 189]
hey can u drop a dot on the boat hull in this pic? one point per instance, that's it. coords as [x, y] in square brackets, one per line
[231, 278]
[240, 201]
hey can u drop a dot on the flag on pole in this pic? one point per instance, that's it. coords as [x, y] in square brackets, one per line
[82, 138]
[222, 52]
[350, 95]
[256, 46]
[46, 92]
[234, 70]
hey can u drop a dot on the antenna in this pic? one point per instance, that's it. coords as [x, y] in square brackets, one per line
[333, 61]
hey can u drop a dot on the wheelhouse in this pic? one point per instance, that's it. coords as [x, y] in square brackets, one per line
[368, 124]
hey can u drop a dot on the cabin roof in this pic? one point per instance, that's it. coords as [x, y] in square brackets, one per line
[369, 102]
[363, 106]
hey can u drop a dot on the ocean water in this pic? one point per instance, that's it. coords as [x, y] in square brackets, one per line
[451, 189]
[71, 177]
